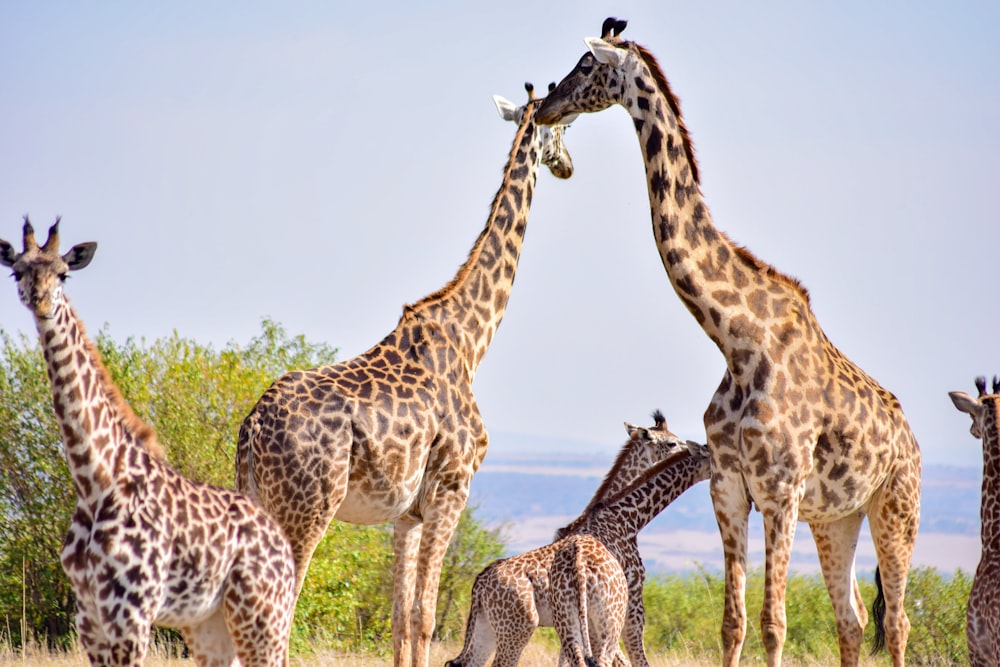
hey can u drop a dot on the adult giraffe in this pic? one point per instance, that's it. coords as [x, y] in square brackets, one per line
[795, 427]
[395, 433]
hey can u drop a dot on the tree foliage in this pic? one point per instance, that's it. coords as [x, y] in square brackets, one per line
[195, 396]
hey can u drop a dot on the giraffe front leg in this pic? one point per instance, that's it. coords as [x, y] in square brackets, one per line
[779, 533]
[835, 544]
[407, 532]
[440, 520]
[635, 619]
[732, 509]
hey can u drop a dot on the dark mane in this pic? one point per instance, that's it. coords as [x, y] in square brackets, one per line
[593, 507]
[139, 429]
[748, 257]
[675, 108]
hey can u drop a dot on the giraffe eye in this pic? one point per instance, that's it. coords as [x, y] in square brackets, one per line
[17, 275]
[587, 64]
[63, 276]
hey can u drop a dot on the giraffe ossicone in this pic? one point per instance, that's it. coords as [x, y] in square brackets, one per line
[795, 427]
[147, 546]
[395, 434]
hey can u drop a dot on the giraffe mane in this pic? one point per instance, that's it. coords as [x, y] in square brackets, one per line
[672, 101]
[477, 247]
[594, 507]
[743, 253]
[139, 429]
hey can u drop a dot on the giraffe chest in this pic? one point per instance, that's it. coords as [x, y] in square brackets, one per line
[150, 548]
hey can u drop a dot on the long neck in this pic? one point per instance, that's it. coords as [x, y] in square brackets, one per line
[631, 462]
[476, 297]
[989, 510]
[733, 295]
[94, 433]
[649, 495]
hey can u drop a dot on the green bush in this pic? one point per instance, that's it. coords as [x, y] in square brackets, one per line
[684, 617]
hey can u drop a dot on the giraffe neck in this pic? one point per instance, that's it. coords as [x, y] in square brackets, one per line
[627, 467]
[732, 294]
[649, 495]
[475, 299]
[989, 510]
[93, 420]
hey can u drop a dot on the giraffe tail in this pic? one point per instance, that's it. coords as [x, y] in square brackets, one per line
[878, 615]
[249, 433]
[580, 570]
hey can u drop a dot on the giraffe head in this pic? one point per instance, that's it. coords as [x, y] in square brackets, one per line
[656, 442]
[597, 81]
[40, 271]
[554, 153]
[982, 409]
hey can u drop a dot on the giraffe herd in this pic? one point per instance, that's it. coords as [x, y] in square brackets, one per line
[795, 430]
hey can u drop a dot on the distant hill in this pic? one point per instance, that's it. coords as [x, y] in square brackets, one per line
[531, 494]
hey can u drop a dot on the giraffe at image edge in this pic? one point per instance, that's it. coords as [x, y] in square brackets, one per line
[982, 621]
[795, 427]
[395, 434]
[147, 545]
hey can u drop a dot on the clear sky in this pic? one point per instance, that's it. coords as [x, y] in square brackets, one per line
[323, 166]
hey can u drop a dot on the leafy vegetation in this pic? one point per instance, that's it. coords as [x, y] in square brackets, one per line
[196, 396]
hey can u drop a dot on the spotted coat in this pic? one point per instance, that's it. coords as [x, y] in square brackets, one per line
[794, 428]
[147, 546]
[982, 623]
[395, 434]
[511, 597]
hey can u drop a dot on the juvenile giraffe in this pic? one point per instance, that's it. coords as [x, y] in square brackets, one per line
[147, 545]
[511, 596]
[589, 594]
[395, 434]
[794, 427]
[982, 622]
[616, 522]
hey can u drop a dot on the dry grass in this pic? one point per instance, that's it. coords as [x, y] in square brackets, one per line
[537, 654]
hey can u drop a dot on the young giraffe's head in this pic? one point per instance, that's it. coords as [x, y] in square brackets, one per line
[984, 409]
[656, 441]
[554, 153]
[40, 271]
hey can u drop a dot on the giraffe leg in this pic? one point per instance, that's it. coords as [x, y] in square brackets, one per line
[893, 519]
[407, 532]
[836, 543]
[440, 519]
[635, 625]
[779, 533]
[732, 509]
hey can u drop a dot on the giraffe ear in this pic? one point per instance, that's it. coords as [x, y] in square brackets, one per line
[508, 110]
[964, 402]
[80, 255]
[607, 54]
[7, 253]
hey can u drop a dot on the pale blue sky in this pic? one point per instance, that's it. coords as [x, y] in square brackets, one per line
[324, 166]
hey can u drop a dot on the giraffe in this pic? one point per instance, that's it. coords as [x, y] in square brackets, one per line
[511, 596]
[395, 433]
[147, 545]
[616, 522]
[794, 427]
[589, 593]
[982, 622]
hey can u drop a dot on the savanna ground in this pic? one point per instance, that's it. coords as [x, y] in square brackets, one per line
[541, 651]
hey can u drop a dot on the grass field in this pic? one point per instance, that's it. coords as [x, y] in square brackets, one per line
[538, 654]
